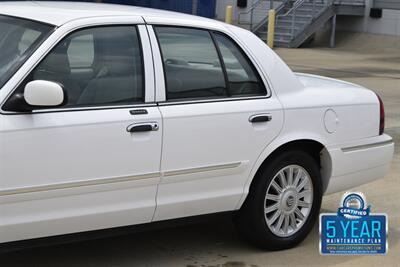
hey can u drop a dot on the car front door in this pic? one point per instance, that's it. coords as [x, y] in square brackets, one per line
[94, 162]
[218, 117]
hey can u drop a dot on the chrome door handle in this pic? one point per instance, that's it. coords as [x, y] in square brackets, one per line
[260, 118]
[142, 127]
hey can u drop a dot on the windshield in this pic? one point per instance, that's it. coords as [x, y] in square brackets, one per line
[18, 40]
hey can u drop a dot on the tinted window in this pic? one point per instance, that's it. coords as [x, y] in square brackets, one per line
[191, 64]
[96, 66]
[81, 51]
[19, 38]
[242, 77]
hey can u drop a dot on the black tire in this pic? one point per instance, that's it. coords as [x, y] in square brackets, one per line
[251, 221]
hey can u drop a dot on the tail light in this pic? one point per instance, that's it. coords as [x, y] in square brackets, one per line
[381, 116]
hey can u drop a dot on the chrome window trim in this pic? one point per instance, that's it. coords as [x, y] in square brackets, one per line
[144, 105]
[158, 82]
[58, 40]
[161, 97]
[211, 100]
[94, 108]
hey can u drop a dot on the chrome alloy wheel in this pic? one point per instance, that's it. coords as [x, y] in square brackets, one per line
[288, 200]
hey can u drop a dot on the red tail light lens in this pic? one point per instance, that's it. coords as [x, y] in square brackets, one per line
[381, 116]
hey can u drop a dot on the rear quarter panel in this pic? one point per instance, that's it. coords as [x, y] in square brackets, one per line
[306, 99]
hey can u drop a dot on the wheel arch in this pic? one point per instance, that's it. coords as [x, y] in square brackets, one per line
[315, 148]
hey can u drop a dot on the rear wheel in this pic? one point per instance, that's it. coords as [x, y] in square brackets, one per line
[283, 202]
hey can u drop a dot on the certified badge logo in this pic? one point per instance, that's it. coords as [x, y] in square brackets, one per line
[353, 230]
[353, 206]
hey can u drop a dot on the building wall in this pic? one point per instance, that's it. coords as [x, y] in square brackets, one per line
[388, 24]
[174, 5]
[389, 4]
[205, 8]
[222, 4]
[242, 15]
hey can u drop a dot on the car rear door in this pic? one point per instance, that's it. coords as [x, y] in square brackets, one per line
[218, 116]
[94, 163]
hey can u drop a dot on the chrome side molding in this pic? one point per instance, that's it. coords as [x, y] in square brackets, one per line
[366, 146]
[70, 185]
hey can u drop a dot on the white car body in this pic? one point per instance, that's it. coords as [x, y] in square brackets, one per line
[67, 172]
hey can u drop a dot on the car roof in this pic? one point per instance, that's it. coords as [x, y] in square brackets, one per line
[59, 13]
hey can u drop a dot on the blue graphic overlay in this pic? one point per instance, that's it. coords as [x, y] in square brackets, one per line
[353, 230]
[366, 235]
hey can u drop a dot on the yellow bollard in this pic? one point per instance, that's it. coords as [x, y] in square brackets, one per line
[271, 28]
[228, 14]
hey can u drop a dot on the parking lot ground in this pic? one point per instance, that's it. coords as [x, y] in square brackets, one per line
[216, 243]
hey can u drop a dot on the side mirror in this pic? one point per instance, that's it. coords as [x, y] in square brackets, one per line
[44, 94]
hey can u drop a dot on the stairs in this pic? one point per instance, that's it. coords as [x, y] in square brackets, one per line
[298, 20]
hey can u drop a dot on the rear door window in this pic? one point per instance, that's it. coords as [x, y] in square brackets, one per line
[191, 64]
[200, 64]
[243, 78]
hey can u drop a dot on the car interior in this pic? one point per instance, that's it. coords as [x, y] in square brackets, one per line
[113, 75]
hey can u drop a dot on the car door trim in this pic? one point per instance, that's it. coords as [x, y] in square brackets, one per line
[113, 180]
[70, 185]
[202, 169]
[211, 100]
[57, 110]
[367, 146]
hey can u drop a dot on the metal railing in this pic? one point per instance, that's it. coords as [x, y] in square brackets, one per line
[257, 14]
[292, 12]
[313, 14]
[350, 2]
[289, 10]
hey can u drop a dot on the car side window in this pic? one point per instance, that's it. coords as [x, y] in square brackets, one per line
[200, 64]
[243, 79]
[191, 64]
[96, 66]
[27, 38]
[81, 52]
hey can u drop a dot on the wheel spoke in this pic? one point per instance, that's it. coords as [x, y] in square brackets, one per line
[304, 193]
[279, 223]
[272, 197]
[271, 208]
[293, 222]
[286, 224]
[290, 176]
[300, 215]
[274, 217]
[302, 184]
[303, 204]
[276, 187]
[282, 178]
[288, 200]
[298, 176]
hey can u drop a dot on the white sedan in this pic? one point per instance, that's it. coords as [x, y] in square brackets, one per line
[114, 116]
